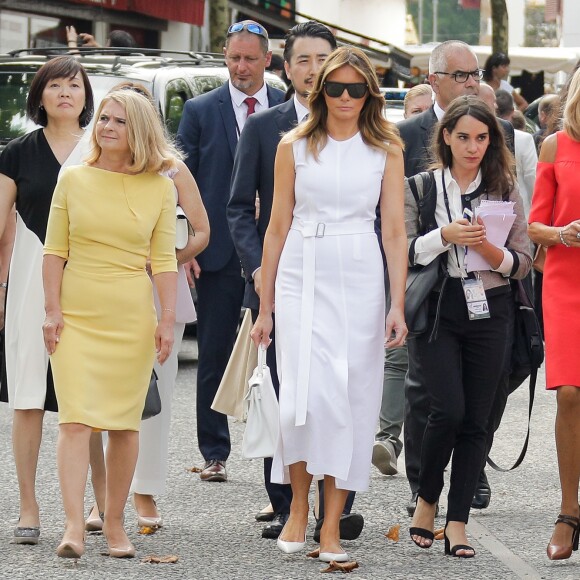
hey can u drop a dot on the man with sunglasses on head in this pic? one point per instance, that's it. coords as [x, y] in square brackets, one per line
[209, 130]
[307, 45]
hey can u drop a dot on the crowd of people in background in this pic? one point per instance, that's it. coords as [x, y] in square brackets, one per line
[98, 295]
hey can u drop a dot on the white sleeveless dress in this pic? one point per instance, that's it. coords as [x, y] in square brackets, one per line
[330, 316]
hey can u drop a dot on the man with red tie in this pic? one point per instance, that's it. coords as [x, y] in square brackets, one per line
[208, 133]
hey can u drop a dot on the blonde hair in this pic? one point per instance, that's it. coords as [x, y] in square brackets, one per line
[151, 149]
[417, 91]
[375, 130]
[572, 108]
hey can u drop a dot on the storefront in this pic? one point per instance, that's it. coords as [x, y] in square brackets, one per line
[40, 24]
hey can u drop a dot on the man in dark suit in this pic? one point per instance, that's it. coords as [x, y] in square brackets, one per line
[208, 132]
[307, 45]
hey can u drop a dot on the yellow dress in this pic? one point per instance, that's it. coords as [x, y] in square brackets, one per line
[105, 225]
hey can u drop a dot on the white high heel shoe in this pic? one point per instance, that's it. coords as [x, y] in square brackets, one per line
[290, 547]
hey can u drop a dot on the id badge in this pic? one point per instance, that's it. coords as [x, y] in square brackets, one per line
[477, 306]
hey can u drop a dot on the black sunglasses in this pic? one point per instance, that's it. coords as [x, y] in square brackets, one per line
[355, 90]
[252, 27]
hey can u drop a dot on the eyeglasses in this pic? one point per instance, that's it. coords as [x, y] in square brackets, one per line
[462, 76]
[252, 27]
[355, 90]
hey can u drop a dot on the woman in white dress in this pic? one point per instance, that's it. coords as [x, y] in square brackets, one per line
[322, 265]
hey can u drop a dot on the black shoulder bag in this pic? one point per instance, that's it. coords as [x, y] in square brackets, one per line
[526, 358]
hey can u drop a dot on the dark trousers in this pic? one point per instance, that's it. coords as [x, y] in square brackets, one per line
[219, 302]
[461, 370]
[280, 495]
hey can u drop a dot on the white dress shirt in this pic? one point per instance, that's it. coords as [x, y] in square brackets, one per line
[241, 109]
[301, 110]
[429, 246]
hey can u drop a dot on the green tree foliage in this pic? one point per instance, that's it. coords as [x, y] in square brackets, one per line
[539, 32]
[453, 22]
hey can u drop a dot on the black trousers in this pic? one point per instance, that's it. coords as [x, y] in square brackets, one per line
[219, 302]
[460, 370]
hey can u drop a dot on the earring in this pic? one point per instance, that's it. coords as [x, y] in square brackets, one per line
[41, 107]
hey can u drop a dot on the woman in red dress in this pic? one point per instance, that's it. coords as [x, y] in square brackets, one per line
[555, 223]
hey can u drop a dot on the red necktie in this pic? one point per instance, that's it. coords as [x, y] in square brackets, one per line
[251, 103]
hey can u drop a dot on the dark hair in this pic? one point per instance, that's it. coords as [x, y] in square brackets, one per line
[121, 39]
[494, 60]
[61, 67]
[505, 103]
[309, 29]
[497, 163]
[276, 63]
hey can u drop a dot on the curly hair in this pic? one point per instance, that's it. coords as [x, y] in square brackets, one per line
[497, 164]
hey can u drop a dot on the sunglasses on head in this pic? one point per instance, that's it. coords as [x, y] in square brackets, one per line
[252, 27]
[354, 90]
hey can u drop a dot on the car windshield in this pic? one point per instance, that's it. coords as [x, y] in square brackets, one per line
[14, 87]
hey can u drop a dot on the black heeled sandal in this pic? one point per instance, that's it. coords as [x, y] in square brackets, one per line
[452, 551]
[426, 534]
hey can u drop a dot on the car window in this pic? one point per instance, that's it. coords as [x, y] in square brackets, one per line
[205, 84]
[14, 87]
[176, 93]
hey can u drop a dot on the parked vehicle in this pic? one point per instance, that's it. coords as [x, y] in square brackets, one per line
[171, 77]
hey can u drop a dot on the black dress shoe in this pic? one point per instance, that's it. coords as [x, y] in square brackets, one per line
[350, 527]
[482, 495]
[274, 528]
[413, 504]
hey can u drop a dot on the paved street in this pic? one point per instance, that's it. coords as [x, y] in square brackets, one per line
[211, 526]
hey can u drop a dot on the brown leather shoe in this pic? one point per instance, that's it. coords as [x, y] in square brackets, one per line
[214, 470]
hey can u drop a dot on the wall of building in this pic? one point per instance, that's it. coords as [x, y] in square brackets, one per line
[375, 18]
[570, 23]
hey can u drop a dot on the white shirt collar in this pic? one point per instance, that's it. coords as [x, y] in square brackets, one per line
[439, 112]
[301, 110]
[238, 97]
[451, 183]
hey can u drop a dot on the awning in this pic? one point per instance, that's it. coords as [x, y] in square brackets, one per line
[188, 11]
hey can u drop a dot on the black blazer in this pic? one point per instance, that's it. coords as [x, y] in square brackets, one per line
[207, 133]
[254, 172]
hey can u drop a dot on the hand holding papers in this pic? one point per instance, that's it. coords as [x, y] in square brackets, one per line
[498, 218]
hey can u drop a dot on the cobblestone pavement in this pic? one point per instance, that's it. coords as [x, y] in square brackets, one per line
[211, 526]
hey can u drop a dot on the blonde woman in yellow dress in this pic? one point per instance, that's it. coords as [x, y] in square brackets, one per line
[101, 330]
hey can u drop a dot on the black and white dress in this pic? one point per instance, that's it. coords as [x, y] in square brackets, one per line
[26, 378]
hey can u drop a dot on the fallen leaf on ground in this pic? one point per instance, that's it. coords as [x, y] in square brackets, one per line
[439, 533]
[314, 553]
[160, 559]
[147, 530]
[344, 567]
[393, 533]
[194, 469]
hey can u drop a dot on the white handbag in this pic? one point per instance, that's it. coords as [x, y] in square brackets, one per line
[181, 228]
[263, 417]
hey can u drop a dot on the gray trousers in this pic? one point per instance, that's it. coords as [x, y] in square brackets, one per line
[392, 413]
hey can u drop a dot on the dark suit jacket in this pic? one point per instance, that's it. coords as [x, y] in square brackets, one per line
[207, 133]
[254, 171]
[416, 133]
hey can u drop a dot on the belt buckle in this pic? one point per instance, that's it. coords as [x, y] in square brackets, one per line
[320, 228]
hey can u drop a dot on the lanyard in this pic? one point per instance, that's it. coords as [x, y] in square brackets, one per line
[465, 203]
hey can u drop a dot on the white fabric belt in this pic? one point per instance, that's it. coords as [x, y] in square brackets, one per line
[310, 231]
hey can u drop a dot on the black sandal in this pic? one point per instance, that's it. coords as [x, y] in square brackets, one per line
[426, 534]
[452, 551]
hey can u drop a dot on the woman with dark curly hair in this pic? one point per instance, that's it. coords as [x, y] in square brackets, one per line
[468, 314]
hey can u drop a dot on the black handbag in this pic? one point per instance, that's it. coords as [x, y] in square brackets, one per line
[421, 281]
[152, 400]
[527, 356]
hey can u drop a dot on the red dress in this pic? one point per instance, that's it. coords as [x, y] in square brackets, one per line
[556, 202]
